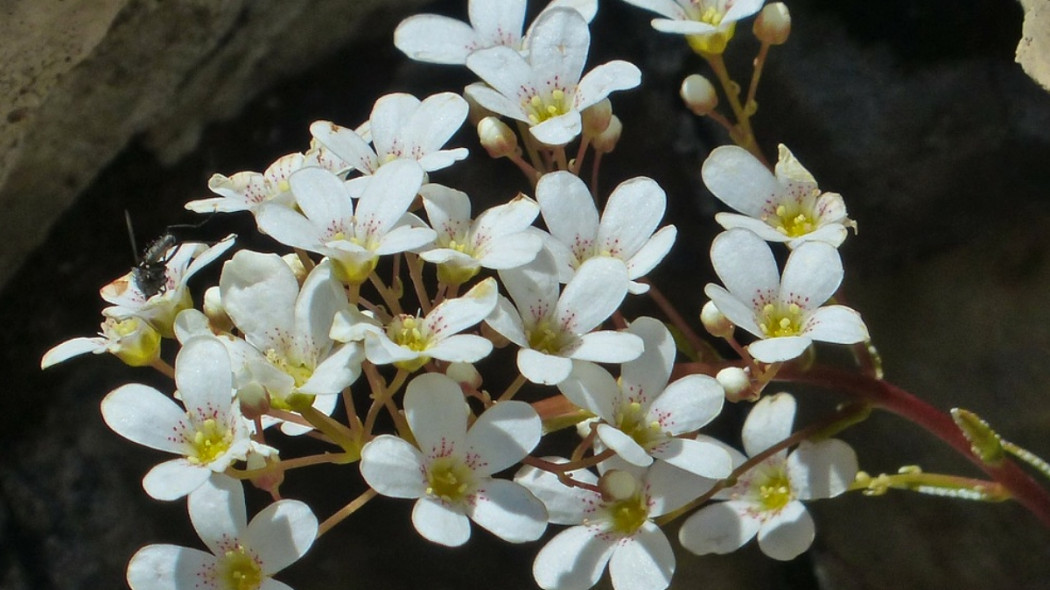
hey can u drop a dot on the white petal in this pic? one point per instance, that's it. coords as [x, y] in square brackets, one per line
[259, 292]
[648, 374]
[705, 459]
[592, 295]
[455, 315]
[433, 123]
[573, 560]
[769, 422]
[592, 388]
[737, 311]
[511, 251]
[498, 21]
[558, 44]
[565, 505]
[811, 275]
[739, 180]
[832, 233]
[683, 27]
[503, 435]
[204, 377]
[405, 239]
[447, 209]
[504, 70]
[461, 348]
[687, 404]
[822, 470]
[338, 371]
[217, 511]
[281, 533]
[393, 467]
[568, 209]
[509, 218]
[759, 227]
[505, 320]
[652, 252]
[509, 511]
[608, 347]
[669, 8]
[645, 561]
[387, 197]
[389, 122]
[436, 412]
[71, 348]
[837, 324]
[167, 567]
[559, 130]
[435, 39]
[608, 77]
[174, 479]
[788, 534]
[533, 286]
[631, 215]
[491, 100]
[439, 523]
[670, 487]
[717, 528]
[775, 350]
[321, 196]
[288, 227]
[745, 264]
[346, 144]
[540, 367]
[625, 446]
[143, 415]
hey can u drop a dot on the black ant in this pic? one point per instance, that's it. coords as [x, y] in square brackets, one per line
[150, 272]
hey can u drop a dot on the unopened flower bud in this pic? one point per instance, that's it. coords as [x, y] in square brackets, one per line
[699, 94]
[269, 481]
[715, 322]
[617, 485]
[254, 401]
[736, 382]
[773, 24]
[464, 373]
[606, 141]
[217, 317]
[497, 138]
[596, 118]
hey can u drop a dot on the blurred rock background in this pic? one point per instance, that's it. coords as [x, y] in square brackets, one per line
[914, 111]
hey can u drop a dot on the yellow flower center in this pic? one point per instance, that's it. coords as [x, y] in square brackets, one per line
[539, 109]
[773, 489]
[544, 337]
[779, 320]
[240, 569]
[299, 372]
[632, 423]
[712, 16]
[792, 222]
[210, 440]
[450, 479]
[629, 515]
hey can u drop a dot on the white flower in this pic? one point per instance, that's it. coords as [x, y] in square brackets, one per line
[208, 435]
[132, 340]
[544, 89]
[615, 528]
[785, 312]
[767, 498]
[786, 208]
[450, 473]
[625, 230]
[286, 347]
[243, 554]
[443, 40]
[497, 239]
[131, 298]
[352, 237]
[643, 416]
[698, 17]
[553, 329]
[400, 127]
[409, 341]
[245, 191]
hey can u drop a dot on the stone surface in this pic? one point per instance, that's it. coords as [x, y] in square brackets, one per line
[915, 112]
[78, 80]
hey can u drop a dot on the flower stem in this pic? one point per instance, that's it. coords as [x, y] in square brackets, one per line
[345, 511]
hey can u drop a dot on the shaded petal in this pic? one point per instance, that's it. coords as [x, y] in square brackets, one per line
[509, 511]
[739, 180]
[811, 275]
[739, 313]
[717, 528]
[626, 447]
[437, 413]
[346, 144]
[592, 388]
[558, 130]
[393, 467]
[217, 511]
[568, 210]
[648, 374]
[461, 348]
[534, 287]
[703, 458]
[435, 39]
[387, 197]
[788, 534]
[167, 567]
[836, 323]
[573, 560]
[592, 295]
[651, 253]
[506, 71]
[823, 469]
[258, 293]
[540, 367]
[439, 523]
[607, 346]
[281, 533]
[321, 196]
[503, 435]
[288, 227]
[174, 479]
[434, 122]
[505, 320]
[745, 264]
[565, 505]
[644, 561]
[775, 350]
[769, 422]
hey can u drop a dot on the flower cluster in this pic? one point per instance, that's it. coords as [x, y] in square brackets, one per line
[390, 296]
